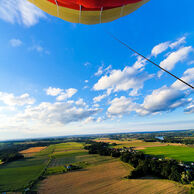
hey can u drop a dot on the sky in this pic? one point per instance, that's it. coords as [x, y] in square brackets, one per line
[58, 78]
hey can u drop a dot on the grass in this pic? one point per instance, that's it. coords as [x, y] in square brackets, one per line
[55, 170]
[185, 154]
[18, 175]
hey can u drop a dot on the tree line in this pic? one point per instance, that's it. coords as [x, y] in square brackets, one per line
[145, 164]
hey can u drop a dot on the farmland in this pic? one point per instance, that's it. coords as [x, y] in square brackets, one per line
[19, 174]
[138, 144]
[175, 152]
[72, 153]
[170, 150]
[98, 173]
[32, 150]
[106, 178]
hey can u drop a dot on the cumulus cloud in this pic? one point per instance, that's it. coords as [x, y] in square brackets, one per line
[99, 98]
[67, 94]
[53, 91]
[20, 11]
[121, 106]
[164, 99]
[15, 42]
[58, 112]
[188, 77]
[81, 103]
[12, 100]
[160, 48]
[168, 98]
[124, 80]
[175, 57]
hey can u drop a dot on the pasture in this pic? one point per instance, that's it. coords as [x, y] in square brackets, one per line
[185, 154]
[106, 178]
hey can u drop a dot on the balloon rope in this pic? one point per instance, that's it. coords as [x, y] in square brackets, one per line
[114, 37]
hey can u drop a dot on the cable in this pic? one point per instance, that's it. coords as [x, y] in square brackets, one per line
[114, 37]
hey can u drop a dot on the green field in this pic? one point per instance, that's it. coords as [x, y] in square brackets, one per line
[17, 175]
[181, 153]
[72, 153]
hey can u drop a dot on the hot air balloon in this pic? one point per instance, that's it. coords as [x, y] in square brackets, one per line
[89, 11]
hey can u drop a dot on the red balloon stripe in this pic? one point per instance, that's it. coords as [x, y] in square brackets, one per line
[93, 5]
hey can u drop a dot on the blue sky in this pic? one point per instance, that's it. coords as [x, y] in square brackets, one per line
[59, 78]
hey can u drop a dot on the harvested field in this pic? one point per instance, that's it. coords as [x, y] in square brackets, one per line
[106, 178]
[32, 150]
[138, 144]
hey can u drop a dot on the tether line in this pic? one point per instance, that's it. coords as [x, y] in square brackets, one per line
[123, 43]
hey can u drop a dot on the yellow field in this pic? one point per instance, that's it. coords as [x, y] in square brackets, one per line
[138, 144]
[107, 178]
[32, 150]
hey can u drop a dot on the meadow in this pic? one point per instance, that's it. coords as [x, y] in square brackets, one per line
[185, 154]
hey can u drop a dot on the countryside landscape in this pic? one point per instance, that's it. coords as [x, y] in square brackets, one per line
[96, 97]
[112, 163]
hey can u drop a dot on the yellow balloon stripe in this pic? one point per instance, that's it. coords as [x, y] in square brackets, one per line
[87, 17]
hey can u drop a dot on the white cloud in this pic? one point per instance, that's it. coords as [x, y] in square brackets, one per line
[180, 41]
[191, 62]
[11, 100]
[38, 48]
[160, 100]
[87, 64]
[164, 99]
[99, 98]
[59, 112]
[175, 57]
[53, 91]
[121, 106]
[160, 48]
[102, 70]
[20, 11]
[15, 42]
[81, 103]
[67, 94]
[86, 81]
[188, 77]
[123, 80]
[89, 120]
[189, 109]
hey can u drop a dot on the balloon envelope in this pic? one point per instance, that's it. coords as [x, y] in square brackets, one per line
[89, 11]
